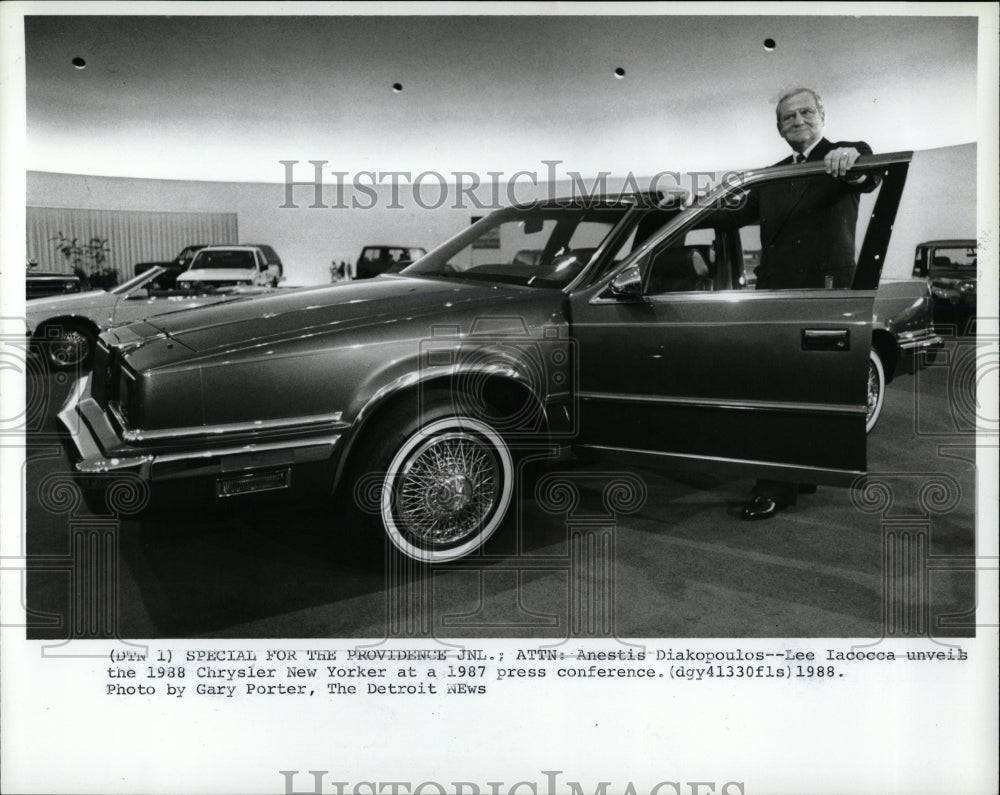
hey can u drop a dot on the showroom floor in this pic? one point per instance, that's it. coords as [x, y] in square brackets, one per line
[647, 556]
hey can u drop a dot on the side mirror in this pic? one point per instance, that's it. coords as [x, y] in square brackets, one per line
[628, 283]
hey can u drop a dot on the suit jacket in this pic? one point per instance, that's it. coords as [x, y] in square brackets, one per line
[807, 226]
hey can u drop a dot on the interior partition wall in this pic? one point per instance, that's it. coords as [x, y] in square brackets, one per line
[132, 236]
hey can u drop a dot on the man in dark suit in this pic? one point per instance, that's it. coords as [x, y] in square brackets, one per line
[806, 233]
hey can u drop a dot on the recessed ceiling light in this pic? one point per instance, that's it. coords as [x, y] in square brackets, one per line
[397, 87]
[619, 73]
[769, 45]
[79, 63]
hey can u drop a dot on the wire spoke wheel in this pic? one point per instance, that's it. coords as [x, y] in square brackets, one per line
[447, 489]
[70, 349]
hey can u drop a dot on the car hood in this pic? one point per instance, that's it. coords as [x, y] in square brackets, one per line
[312, 311]
[218, 275]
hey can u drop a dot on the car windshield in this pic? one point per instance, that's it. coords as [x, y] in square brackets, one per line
[136, 281]
[243, 260]
[543, 246]
[953, 259]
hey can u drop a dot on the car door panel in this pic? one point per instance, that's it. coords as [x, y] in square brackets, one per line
[727, 376]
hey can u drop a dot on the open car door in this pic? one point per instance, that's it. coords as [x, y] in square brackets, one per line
[739, 333]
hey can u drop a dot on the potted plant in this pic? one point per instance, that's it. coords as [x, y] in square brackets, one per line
[89, 261]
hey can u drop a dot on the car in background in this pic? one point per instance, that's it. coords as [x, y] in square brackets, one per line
[174, 267]
[415, 397]
[41, 284]
[229, 266]
[271, 257]
[950, 268]
[385, 259]
[64, 329]
[902, 327]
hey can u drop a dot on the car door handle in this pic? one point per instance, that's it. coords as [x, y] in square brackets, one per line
[826, 339]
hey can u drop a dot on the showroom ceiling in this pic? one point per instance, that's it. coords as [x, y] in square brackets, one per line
[226, 98]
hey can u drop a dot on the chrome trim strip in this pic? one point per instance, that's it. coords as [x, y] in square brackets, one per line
[732, 403]
[736, 296]
[724, 460]
[330, 441]
[133, 435]
[93, 459]
[920, 342]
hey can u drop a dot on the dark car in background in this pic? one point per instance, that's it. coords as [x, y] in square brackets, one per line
[416, 397]
[951, 269]
[385, 259]
[42, 284]
[172, 268]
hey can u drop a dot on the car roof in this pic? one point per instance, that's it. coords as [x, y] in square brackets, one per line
[231, 248]
[958, 242]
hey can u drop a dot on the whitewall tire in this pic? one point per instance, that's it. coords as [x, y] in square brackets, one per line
[876, 389]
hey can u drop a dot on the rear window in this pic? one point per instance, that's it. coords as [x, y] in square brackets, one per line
[952, 259]
[224, 259]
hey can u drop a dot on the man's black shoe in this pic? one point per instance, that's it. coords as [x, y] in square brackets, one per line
[760, 508]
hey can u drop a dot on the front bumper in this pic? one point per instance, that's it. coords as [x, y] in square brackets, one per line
[96, 448]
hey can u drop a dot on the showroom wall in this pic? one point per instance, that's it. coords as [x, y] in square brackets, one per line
[939, 202]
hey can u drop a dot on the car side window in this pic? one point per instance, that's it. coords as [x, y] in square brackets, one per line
[686, 264]
[702, 259]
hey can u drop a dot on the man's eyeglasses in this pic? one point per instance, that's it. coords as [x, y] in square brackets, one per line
[807, 114]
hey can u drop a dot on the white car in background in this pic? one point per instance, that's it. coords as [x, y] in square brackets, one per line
[64, 328]
[230, 266]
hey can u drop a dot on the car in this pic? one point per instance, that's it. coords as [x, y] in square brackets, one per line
[64, 329]
[950, 267]
[229, 266]
[174, 267]
[902, 327]
[415, 398]
[385, 259]
[272, 259]
[41, 284]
